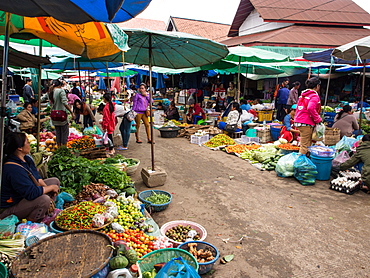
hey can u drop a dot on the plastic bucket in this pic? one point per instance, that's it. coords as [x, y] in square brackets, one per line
[323, 165]
[275, 131]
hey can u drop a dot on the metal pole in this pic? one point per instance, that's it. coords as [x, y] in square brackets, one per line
[327, 90]
[106, 67]
[238, 94]
[150, 100]
[363, 93]
[3, 91]
[39, 101]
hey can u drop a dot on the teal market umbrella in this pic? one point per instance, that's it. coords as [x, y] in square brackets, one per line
[241, 54]
[170, 50]
[252, 68]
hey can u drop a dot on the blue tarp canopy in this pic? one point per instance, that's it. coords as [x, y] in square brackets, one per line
[145, 72]
[81, 63]
[353, 69]
[326, 57]
[77, 11]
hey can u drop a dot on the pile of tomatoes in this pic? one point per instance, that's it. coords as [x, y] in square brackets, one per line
[136, 239]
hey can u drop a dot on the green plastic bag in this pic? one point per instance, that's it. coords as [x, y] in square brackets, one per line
[7, 225]
[97, 130]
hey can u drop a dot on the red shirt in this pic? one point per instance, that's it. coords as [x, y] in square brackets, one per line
[109, 119]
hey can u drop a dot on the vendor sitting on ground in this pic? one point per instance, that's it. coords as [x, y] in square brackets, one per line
[28, 120]
[195, 112]
[172, 113]
[23, 192]
[288, 131]
[362, 154]
[346, 122]
[245, 105]
[233, 118]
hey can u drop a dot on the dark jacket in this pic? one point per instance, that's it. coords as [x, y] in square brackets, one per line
[283, 95]
[16, 184]
[362, 154]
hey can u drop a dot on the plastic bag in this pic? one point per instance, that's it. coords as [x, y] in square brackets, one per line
[177, 268]
[62, 198]
[305, 171]
[285, 165]
[89, 131]
[133, 127]
[340, 158]
[48, 219]
[98, 220]
[97, 130]
[318, 132]
[7, 225]
[345, 144]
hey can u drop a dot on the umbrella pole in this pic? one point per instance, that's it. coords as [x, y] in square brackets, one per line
[3, 91]
[39, 101]
[363, 93]
[106, 67]
[79, 74]
[327, 90]
[150, 100]
[238, 93]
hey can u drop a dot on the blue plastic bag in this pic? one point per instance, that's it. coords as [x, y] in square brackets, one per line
[7, 225]
[62, 198]
[133, 127]
[305, 171]
[177, 268]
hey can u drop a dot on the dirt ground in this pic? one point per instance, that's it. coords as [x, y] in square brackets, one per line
[288, 230]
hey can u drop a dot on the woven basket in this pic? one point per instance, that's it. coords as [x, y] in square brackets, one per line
[147, 262]
[70, 229]
[80, 253]
[132, 169]
[203, 267]
[198, 228]
[149, 205]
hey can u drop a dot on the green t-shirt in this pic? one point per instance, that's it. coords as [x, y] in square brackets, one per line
[60, 100]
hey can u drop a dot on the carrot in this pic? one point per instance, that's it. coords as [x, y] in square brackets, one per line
[288, 147]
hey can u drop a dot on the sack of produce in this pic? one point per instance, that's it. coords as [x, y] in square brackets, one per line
[304, 170]
[285, 165]
[340, 158]
[98, 220]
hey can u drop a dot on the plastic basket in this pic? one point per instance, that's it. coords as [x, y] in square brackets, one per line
[149, 205]
[198, 228]
[169, 132]
[322, 151]
[247, 139]
[147, 262]
[199, 140]
[203, 267]
[53, 228]
[265, 115]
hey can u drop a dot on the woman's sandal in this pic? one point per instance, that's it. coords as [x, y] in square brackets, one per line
[149, 142]
[139, 141]
[120, 148]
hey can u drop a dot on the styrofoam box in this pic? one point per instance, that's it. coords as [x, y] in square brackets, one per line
[199, 139]
[247, 139]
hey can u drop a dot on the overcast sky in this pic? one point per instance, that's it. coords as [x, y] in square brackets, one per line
[221, 11]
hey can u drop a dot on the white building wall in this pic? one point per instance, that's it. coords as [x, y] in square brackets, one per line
[255, 24]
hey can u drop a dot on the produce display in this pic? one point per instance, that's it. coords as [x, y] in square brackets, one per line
[46, 135]
[288, 147]
[86, 142]
[138, 241]
[51, 145]
[240, 148]
[219, 140]
[80, 216]
[75, 172]
[158, 198]
[72, 136]
[201, 255]
[93, 192]
[181, 233]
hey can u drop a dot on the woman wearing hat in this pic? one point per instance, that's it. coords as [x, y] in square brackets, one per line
[288, 131]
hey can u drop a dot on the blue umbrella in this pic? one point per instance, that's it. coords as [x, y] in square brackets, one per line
[353, 69]
[160, 82]
[101, 84]
[138, 80]
[81, 63]
[77, 11]
[326, 57]
[145, 72]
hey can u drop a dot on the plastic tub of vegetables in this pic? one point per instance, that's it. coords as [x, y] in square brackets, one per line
[155, 200]
[132, 165]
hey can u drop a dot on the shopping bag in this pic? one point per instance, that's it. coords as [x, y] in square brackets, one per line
[340, 158]
[105, 138]
[177, 268]
[304, 170]
[97, 130]
[133, 127]
[345, 144]
[318, 132]
[285, 165]
[7, 225]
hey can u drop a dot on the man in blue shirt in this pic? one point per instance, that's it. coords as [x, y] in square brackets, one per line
[245, 105]
[282, 100]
